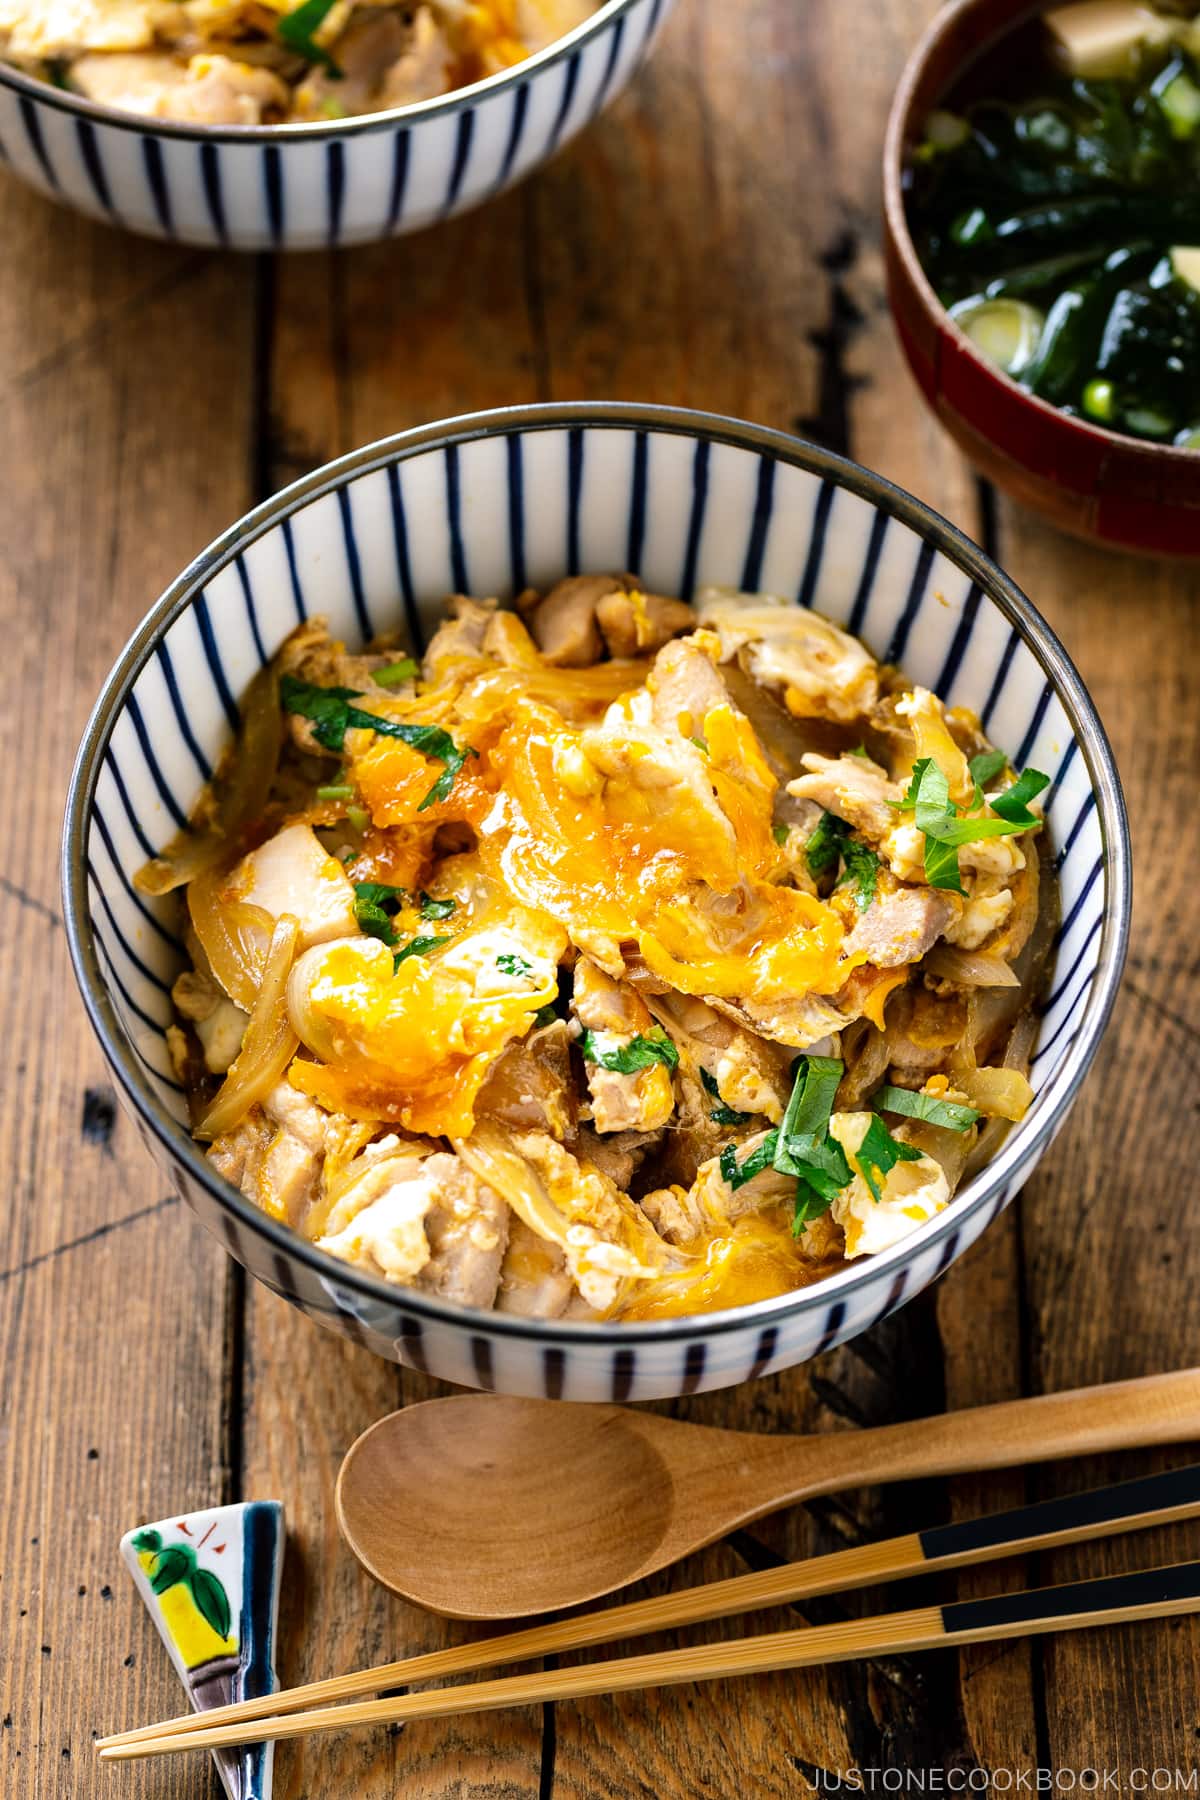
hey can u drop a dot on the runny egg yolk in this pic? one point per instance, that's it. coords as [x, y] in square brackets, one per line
[755, 1258]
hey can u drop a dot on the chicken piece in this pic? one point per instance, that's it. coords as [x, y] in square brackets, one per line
[618, 1156]
[530, 1086]
[802, 1020]
[686, 686]
[909, 1194]
[681, 1215]
[423, 1221]
[133, 80]
[293, 873]
[751, 1075]
[922, 1030]
[853, 788]
[276, 1153]
[634, 623]
[615, 1015]
[312, 655]
[901, 926]
[217, 90]
[819, 670]
[564, 623]
[535, 1282]
[219, 1025]
[385, 60]
[458, 640]
[35, 31]
[237, 1155]
[604, 1238]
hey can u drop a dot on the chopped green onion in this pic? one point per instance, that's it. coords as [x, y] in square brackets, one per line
[639, 1053]
[339, 791]
[1099, 399]
[781, 833]
[359, 817]
[701, 744]
[949, 1114]
[395, 673]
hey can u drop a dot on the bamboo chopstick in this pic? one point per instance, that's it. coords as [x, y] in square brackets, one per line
[1100, 1512]
[1112, 1600]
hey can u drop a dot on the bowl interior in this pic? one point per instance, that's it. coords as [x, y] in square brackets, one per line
[382, 537]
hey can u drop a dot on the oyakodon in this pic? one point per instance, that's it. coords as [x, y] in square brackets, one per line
[621, 959]
[264, 62]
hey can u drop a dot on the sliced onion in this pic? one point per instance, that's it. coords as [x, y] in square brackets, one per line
[233, 934]
[269, 1044]
[970, 968]
[237, 795]
[997, 1093]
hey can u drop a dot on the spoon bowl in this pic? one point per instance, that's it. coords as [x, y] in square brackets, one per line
[585, 1499]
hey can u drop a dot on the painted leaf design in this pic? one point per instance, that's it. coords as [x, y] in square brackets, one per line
[173, 1564]
[211, 1600]
[148, 1540]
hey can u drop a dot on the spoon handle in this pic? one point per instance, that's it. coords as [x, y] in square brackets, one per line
[1122, 1415]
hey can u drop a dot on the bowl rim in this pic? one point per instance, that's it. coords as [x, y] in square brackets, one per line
[895, 213]
[316, 130]
[1023, 1144]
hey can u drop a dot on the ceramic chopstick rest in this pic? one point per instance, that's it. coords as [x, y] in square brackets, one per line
[210, 1581]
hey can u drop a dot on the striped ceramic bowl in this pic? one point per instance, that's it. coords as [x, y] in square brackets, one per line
[305, 187]
[487, 505]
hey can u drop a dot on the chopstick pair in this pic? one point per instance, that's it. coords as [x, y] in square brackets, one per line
[1102, 1512]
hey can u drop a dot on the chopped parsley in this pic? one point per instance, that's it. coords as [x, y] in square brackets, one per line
[395, 673]
[831, 843]
[509, 963]
[945, 827]
[701, 744]
[375, 905]
[879, 1153]
[781, 833]
[297, 29]
[950, 1114]
[435, 909]
[859, 750]
[333, 716]
[721, 1114]
[418, 946]
[641, 1052]
[545, 1015]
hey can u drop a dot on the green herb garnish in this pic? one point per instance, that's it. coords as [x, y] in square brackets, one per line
[781, 833]
[830, 843]
[804, 1146]
[509, 963]
[297, 29]
[986, 766]
[950, 1114]
[359, 817]
[545, 1015]
[640, 1052]
[375, 905]
[879, 1153]
[736, 1174]
[339, 791]
[945, 828]
[418, 946]
[436, 909]
[333, 716]
[701, 744]
[721, 1114]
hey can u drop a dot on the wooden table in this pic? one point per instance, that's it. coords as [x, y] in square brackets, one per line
[712, 243]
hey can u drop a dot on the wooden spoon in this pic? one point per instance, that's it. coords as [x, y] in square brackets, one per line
[483, 1507]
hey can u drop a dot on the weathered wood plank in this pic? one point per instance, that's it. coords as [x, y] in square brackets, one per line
[120, 459]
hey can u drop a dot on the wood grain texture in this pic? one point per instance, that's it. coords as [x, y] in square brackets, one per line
[713, 242]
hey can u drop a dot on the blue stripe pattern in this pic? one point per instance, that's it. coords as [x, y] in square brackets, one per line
[347, 184]
[383, 548]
